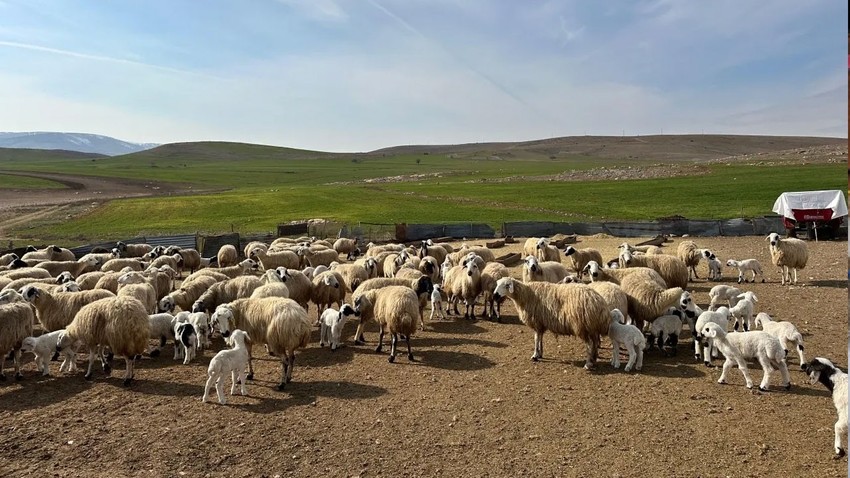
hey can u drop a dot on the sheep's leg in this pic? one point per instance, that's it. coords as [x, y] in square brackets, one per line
[393, 342]
[16, 361]
[93, 354]
[358, 335]
[632, 357]
[639, 362]
[840, 430]
[234, 377]
[726, 366]
[765, 380]
[409, 352]
[697, 349]
[219, 389]
[795, 275]
[242, 380]
[128, 373]
[250, 362]
[592, 351]
[210, 383]
[538, 346]
[800, 352]
[291, 366]
[706, 354]
[380, 341]
[284, 366]
[786, 377]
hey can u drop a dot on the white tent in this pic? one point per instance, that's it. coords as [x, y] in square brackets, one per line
[809, 200]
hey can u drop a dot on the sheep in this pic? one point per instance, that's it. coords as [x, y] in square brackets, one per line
[44, 346]
[234, 361]
[690, 254]
[273, 260]
[688, 311]
[16, 319]
[19, 284]
[272, 286]
[628, 336]
[316, 271]
[491, 274]
[31, 272]
[437, 302]
[192, 259]
[671, 269]
[373, 250]
[184, 297]
[430, 266]
[464, 284]
[422, 286]
[352, 274]
[395, 309]
[714, 268]
[370, 265]
[546, 252]
[408, 273]
[186, 341]
[613, 295]
[7, 259]
[666, 329]
[644, 249]
[320, 257]
[227, 256]
[529, 248]
[133, 250]
[390, 265]
[647, 299]
[785, 332]
[49, 253]
[486, 254]
[119, 323]
[744, 310]
[201, 322]
[616, 276]
[133, 284]
[328, 288]
[242, 268]
[706, 351]
[254, 245]
[823, 371]
[226, 291]
[161, 329]
[300, 287]
[54, 268]
[744, 266]
[55, 311]
[174, 261]
[756, 345]
[116, 265]
[439, 253]
[580, 257]
[563, 309]
[549, 271]
[88, 280]
[789, 255]
[279, 323]
[725, 294]
[8, 296]
[346, 246]
[332, 322]
[218, 276]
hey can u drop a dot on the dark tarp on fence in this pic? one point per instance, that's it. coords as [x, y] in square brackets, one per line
[733, 227]
[83, 250]
[418, 232]
[211, 244]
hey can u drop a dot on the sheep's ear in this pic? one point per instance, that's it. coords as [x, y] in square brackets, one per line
[511, 287]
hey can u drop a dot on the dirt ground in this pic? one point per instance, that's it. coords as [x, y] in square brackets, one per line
[473, 404]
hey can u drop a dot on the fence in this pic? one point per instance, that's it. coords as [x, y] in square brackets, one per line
[733, 227]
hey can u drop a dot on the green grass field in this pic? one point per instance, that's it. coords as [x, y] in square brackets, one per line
[271, 185]
[9, 181]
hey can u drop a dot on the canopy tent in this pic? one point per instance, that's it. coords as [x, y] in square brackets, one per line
[811, 205]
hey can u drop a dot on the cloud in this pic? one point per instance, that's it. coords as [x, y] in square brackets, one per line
[322, 10]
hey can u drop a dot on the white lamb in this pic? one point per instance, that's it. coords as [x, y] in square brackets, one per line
[744, 310]
[744, 266]
[785, 332]
[706, 351]
[437, 302]
[630, 337]
[233, 361]
[44, 346]
[723, 294]
[715, 268]
[738, 347]
[332, 322]
[835, 380]
[666, 329]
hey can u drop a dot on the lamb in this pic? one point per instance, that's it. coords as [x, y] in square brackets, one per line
[162, 329]
[714, 268]
[119, 323]
[616, 276]
[55, 311]
[744, 266]
[547, 252]
[491, 274]
[725, 294]
[227, 256]
[628, 336]
[396, 309]
[706, 351]
[563, 309]
[535, 271]
[141, 291]
[666, 329]
[690, 254]
[437, 302]
[756, 345]
[785, 332]
[116, 265]
[54, 268]
[580, 257]
[201, 322]
[242, 268]
[328, 288]
[272, 286]
[688, 311]
[273, 260]
[16, 319]
[421, 286]
[464, 283]
[744, 310]
[132, 250]
[823, 371]
[234, 361]
[332, 322]
[184, 297]
[226, 291]
[671, 269]
[789, 255]
[279, 323]
[44, 346]
[647, 300]
[346, 246]
[186, 341]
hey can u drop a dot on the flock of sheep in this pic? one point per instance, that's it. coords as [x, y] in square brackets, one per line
[115, 302]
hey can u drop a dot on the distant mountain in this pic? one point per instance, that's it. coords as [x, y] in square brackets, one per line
[82, 142]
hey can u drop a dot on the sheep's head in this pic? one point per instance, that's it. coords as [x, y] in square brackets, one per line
[569, 250]
[542, 243]
[18, 264]
[198, 306]
[131, 278]
[504, 288]
[710, 331]
[330, 280]
[346, 310]
[238, 337]
[472, 269]
[8, 296]
[64, 277]
[249, 265]
[120, 246]
[149, 256]
[820, 369]
[617, 317]
[571, 279]
[361, 305]
[28, 345]
[283, 274]
[627, 258]
[221, 318]
[52, 249]
[531, 263]
[31, 248]
[424, 285]
[70, 286]
[773, 238]
[166, 304]
[31, 293]
[592, 269]
[731, 263]
[762, 318]
[751, 296]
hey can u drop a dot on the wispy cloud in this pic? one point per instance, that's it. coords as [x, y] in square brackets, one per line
[323, 10]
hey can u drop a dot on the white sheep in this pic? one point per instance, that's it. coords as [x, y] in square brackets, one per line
[421, 286]
[580, 257]
[598, 273]
[16, 320]
[563, 309]
[715, 268]
[332, 322]
[162, 329]
[549, 271]
[44, 346]
[328, 289]
[119, 323]
[723, 294]
[490, 275]
[666, 329]
[234, 361]
[628, 336]
[647, 299]
[744, 266]
[789, 255]
[395, 309]
[756, 345]
[133, 250]
[184, 297]
[464, 282]
[705, 351]
[744, 310]
[823, 371]
[671, 269]
[226, 291]
[134, 284]
[547, 252]
[690, 254]
[785, 332]
[300, 286]
[437, 302]
[227, 256]
[56, 310]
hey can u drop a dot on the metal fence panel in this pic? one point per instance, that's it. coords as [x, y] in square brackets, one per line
[211, 244]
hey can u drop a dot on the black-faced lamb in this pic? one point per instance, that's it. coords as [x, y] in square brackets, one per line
[186, 339]
[756, 345]
[332, 323]
[666, 330]
[563, 309]
[705, 350]
[744, 310]
[835, 380]
[231, 361]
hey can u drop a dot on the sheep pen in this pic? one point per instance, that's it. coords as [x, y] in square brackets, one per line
[463, 367]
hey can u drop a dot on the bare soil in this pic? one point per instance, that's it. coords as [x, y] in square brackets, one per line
[472, 404]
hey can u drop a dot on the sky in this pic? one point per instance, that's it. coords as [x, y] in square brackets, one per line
[358, 75]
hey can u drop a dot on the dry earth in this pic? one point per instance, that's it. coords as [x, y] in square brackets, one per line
[473, 404]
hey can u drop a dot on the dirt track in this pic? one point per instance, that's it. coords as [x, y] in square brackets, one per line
[472, 405]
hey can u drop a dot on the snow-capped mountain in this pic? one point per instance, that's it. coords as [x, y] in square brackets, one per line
[83, 142]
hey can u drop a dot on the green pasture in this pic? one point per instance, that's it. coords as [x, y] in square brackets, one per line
[10, 181]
